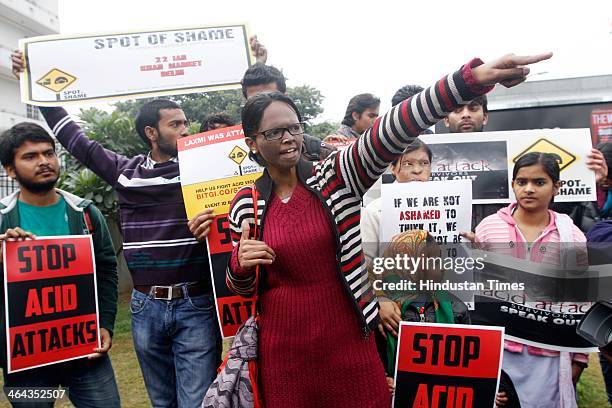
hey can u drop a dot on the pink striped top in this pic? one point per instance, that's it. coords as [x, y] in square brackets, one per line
[501, 229]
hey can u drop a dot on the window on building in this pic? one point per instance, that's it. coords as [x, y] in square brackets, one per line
[7, 184]
[32, 112]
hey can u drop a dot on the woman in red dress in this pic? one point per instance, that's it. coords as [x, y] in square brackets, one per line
[317, 307]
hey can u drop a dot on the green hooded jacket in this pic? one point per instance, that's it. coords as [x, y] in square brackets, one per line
[104, 252]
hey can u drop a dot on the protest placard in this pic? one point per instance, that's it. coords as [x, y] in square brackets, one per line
[50, 300]
[546, 304]
[341, 145]
[447, 365]
[442, 208]
[601, 125]
[488, 158]
[228, 168]
[133, 64]
[549, 325]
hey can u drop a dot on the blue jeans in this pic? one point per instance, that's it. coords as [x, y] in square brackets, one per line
[90, 383]
[178, 345]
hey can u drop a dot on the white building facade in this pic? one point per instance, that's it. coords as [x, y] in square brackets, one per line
[20, 19]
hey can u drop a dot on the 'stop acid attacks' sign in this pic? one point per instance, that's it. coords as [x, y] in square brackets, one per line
[447, 365]
[50, 301]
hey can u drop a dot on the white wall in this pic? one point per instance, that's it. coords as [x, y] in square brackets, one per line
[20, 19]
[37, 16]
[9, 97]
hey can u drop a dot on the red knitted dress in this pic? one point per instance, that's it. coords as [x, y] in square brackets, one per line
[312, 352]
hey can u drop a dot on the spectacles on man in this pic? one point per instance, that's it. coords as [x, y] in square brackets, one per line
[296, 129]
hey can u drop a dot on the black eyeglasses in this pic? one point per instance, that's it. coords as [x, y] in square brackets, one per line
[296, 129]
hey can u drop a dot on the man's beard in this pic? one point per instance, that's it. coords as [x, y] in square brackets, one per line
[36, 188]
[458, 129]
[167, 147]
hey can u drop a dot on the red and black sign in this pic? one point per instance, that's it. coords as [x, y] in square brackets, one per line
[447, 365]
[233, 310]
[601, 125]
[50, 301]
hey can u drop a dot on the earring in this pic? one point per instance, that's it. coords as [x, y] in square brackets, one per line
[254, 151]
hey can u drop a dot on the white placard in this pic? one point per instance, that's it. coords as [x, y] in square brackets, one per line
[488, 158]
[443, 208]
[126, 65]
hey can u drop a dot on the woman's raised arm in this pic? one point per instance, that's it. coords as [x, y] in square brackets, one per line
[361, 165]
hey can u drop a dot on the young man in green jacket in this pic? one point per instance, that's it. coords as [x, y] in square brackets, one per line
[27, 153]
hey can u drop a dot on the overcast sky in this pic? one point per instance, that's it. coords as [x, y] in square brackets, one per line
[348, 47]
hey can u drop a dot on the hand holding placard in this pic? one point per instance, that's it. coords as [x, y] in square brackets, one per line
[253, 252]
[200, 224]
[13, 233]
[106, 342]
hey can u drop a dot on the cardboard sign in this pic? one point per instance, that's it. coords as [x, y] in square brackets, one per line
[447, 365]
[51, 301]
[549, 325]
[60, 69]
[442, 208]
[228, 169]
[487, 158]
[343, 144]
[545, 310]
[601, 125]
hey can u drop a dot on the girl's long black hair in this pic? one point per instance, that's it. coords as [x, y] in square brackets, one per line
[549, 161]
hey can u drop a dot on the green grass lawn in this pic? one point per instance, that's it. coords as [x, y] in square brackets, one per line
[591, 391]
